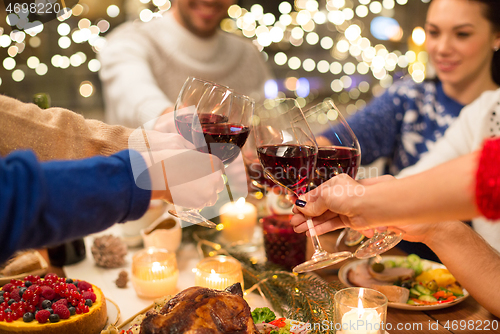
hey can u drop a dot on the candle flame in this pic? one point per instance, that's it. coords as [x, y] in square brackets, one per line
[212, 271]
[360, 303]
[240, 203]
[156, 267]
[360, 308]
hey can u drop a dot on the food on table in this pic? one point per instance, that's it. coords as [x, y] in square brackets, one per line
[407, 281]
[360, 276]
[388, 274]
[109, 251]
[263, 314]
[61, 305]
[198, 308]
[441, 276]
[23, 262]
[267, 323]
[394, 293]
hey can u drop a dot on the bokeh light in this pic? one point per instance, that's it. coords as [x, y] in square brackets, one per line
[86, 89]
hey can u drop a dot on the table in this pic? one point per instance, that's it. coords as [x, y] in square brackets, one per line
[401, 321]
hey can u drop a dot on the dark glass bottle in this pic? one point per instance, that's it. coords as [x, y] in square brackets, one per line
[71, 251]
[67, 253]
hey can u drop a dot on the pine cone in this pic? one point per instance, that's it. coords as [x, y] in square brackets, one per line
[122, 280]
[109, 251]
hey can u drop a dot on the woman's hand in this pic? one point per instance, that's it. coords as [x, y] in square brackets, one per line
[338, 203]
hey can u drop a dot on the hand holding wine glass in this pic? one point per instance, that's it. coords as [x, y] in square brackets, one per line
[288, 151]
[216, 120]
[338, 151]
[186, 110]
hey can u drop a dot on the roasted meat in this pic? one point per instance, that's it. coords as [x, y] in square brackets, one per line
[200, 310]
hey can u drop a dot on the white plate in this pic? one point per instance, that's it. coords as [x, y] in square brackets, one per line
[427, 265]
[113, 312]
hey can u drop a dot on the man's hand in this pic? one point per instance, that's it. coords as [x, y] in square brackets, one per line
[183, 177]
[166, 122]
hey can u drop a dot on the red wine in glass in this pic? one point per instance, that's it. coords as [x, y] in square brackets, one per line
[291, 166]
[257, 174]
[335, 160]
[222, 140]
[183, 123]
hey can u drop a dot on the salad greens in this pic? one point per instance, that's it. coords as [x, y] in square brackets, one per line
[263, 314]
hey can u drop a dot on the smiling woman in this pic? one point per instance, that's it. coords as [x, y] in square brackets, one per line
[401, 125]
[462, 41]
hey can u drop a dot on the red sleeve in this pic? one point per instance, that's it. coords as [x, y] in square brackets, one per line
[488, 180]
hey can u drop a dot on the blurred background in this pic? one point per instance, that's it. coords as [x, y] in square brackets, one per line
[348, 50]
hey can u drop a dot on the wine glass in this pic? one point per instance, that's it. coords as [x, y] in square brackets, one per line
[230, 114]
[339, 152]
[287, 151]
[186, 105]
[259, 180]
[185, 110]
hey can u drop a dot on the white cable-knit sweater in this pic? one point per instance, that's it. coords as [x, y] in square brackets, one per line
[476, 122]
[144, 65]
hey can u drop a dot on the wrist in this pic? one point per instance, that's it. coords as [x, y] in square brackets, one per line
[442, 233]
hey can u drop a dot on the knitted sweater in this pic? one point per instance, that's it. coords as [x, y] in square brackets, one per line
[57, 133]
[403, 123]
[144, 65]
[478, 121]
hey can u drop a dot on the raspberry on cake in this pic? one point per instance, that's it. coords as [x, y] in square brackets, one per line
[51, 305]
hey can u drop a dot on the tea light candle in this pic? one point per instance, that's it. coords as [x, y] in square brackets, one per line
[154, 273]
[218, 272]
[360, 311]
[361, 321]
[239, 220]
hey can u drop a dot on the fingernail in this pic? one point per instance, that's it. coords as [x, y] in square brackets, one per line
[300, 203]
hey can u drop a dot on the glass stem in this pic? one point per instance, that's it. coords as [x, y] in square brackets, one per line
[314, 237]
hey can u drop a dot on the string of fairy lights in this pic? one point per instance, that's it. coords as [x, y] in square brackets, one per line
[345, 51]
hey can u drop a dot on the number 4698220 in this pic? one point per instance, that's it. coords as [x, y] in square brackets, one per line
[39, 8]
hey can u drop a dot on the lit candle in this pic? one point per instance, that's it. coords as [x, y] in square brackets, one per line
[238, 220]
[218, 272]
[360, 311]
[361, 321]
[154, 273]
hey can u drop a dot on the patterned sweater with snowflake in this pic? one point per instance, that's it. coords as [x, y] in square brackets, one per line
[403, 123]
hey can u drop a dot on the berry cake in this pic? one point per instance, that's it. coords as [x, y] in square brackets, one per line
[51, 305]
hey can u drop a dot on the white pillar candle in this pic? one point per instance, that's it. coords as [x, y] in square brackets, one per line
[361, 321]
[239, 220]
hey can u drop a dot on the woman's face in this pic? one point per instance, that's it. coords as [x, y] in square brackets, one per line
[459, 40]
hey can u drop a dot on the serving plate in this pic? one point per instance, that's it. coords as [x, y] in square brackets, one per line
[428, 265]
[113, 312]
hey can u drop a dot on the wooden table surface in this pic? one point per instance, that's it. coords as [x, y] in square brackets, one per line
[468, 314]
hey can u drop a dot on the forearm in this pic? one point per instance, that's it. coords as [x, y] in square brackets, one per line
[50, 202]
[56, 133]
[474, 263]
[445, 192]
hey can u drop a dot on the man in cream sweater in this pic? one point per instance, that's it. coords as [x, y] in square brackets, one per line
[144, 65]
